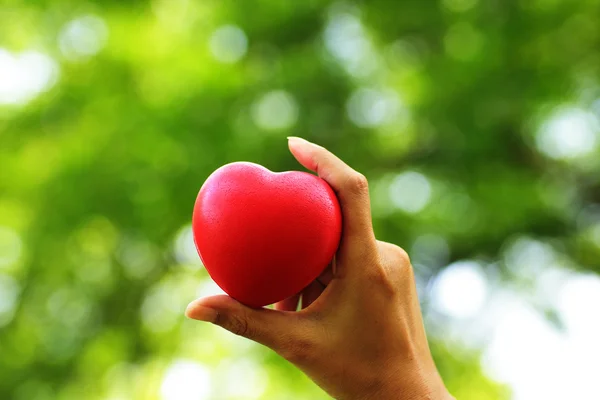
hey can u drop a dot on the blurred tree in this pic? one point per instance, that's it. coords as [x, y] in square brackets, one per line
[473, 120]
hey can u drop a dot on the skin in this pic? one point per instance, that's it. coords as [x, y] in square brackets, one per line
[359, 334]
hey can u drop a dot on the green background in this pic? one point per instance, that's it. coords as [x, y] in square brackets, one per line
[476, 123]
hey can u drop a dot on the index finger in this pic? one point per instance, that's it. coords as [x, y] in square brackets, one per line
[350, 186]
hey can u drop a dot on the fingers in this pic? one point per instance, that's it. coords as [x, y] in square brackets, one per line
[350, 186]
[289, 304]
[268, 327]
[328, 274]
[311, 293]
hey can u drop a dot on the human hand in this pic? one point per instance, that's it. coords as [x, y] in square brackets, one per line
[359, 334]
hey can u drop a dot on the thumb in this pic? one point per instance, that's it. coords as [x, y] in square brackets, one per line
[268, 327]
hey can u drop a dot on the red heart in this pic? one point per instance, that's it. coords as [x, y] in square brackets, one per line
[264, 236]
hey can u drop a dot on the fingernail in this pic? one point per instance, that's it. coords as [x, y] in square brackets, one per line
[298, 142]
[201, 313]
[296, 139]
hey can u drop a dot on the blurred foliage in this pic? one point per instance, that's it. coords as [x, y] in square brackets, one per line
[445, 100]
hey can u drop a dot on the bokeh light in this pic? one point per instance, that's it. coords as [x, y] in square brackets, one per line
[410, 191]
[569, 133]
[370, 108]
[185, 248]
[460, 291]
[275, 110]
[537, 359]
[11, 247]
[82, 37]
[228, 44]
[9, 296]
[186, 380]
[463, 42]
[241, 379]
[345, 38]
[25, 75]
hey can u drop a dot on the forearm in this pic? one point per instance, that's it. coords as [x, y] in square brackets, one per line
[417, 391]
[411, 384]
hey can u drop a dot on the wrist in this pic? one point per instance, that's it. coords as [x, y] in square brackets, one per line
[412, 384]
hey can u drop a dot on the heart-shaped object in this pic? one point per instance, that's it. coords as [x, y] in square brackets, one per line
[264, 236]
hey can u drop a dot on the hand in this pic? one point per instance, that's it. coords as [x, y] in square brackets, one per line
[359, 334]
